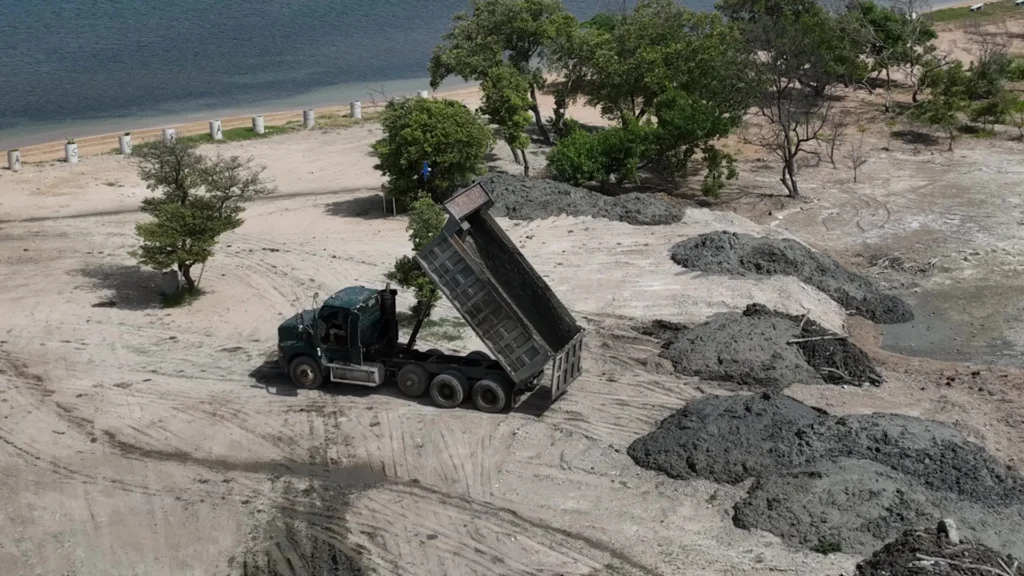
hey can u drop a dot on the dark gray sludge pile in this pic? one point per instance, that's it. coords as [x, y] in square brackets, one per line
[853, 482]
[521, 198]
[746, 255]
[753, 349]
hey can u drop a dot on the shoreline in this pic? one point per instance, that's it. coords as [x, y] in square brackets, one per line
[107, 142]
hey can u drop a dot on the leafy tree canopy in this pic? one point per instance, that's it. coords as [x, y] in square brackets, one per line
[492, 32]
[445, 133]
[426, 219]
[199, 199]
[506, 101]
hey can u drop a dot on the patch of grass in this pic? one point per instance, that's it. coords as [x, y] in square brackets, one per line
[180, 298]
[1002, 8]
[828, 545]
[977, 131]
[329, 120]
[230, 135]
[435, 329]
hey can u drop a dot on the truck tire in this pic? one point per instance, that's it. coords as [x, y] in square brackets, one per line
[434, 352]
[413, 380]
[478, 355]
[305, 373]
[490, 396]
[448, 390]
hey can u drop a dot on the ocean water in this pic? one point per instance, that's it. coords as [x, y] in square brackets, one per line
[71, 68]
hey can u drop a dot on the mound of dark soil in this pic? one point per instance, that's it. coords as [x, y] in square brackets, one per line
[521, 198]
[753, 348]
[836, 360]
[742, 254]
[854, 481]
[923, 552]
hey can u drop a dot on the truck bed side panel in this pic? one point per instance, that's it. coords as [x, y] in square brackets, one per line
[520, 282]
[498, 325]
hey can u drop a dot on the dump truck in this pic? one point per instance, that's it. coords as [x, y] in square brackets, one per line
[531, 337]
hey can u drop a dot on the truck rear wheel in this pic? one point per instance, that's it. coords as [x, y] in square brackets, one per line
[489, 396]
[413, 380]
[305, 373]
[478, 355]
[448, 390]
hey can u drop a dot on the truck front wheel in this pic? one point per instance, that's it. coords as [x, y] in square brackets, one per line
[413, 380]
[305, 373]
[489, 396]
[448, 390]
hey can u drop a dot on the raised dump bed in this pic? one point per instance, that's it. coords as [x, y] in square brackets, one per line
[501, 296]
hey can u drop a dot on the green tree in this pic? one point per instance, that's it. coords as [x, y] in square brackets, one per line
[1015, 112]
[446, 133]
[789, 113]
[613, 154]
[199, 199]
[994, 110]
[571, 53]
[506, 101]
[576, 159]
[687, 127]
[897, 39]
[949, 97]
[674, 80]
[426, 220]
[516, 32]
[662, 46]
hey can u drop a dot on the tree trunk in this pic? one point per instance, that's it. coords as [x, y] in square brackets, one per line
[515, 153]
[536, 116]
[888, 91]
[789, 171]
[526, 163]
[913, 96]
[186, 273]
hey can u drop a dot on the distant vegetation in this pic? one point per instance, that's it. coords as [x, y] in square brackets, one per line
[674, 81]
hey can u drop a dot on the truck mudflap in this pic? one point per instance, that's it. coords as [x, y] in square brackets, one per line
[566, 366]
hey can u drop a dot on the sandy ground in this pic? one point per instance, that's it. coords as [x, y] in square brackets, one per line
[133, 439]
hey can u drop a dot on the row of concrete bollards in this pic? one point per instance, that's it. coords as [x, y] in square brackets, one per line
[169, 134]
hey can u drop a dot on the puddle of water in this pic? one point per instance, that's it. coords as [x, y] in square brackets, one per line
[979, 324]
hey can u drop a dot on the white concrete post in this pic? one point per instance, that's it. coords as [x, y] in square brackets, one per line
[308, 119]
[14, 160]
[423, 93]
[356, 110]
[170, 135]
[125, 140]
[257, 124]
[215, 131]
[71, 152]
